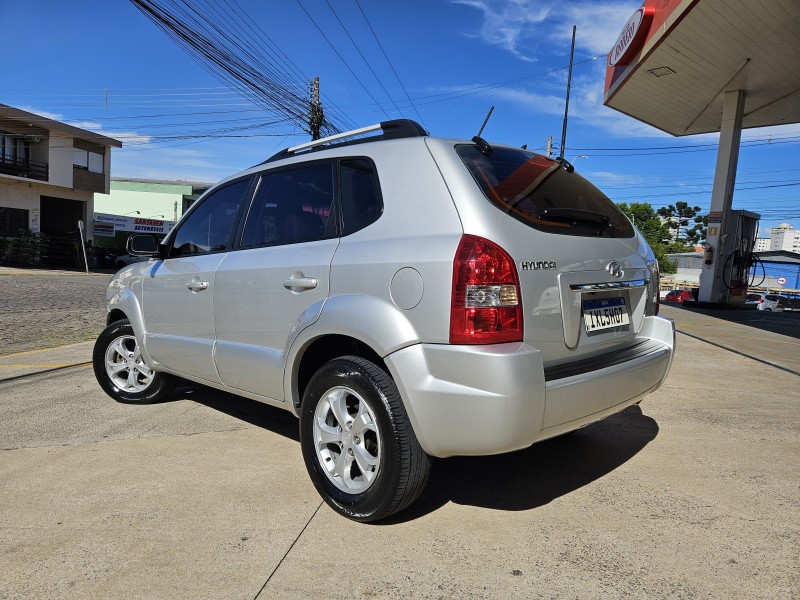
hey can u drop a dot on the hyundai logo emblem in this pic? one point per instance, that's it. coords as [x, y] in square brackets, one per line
[615, 269]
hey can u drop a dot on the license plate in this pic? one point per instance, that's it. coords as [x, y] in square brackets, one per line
[609, 313]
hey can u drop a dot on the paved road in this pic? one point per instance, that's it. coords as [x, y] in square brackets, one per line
[693, 494]
[41, 309]
[770, 337]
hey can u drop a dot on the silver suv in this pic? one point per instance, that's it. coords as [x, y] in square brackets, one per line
[406, 297]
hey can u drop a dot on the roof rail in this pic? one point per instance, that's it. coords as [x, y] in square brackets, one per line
[395, 129]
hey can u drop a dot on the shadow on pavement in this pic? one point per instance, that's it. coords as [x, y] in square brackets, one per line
[520, 480]
[533, 477]
[256, 413]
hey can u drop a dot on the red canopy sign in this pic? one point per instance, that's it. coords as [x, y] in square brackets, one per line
[632, 36]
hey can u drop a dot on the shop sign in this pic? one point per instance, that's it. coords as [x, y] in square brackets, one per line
[135, 224]
[103, 229]
[632, 36]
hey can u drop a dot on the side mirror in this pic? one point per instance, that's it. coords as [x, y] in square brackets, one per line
[143, 244]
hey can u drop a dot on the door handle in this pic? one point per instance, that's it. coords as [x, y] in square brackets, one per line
[197, 286]
[298, 284]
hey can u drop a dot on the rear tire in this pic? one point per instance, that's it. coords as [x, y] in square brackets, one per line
[121, 371]
[357, 441]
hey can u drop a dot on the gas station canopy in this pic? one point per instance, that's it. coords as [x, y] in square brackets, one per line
[675, 59]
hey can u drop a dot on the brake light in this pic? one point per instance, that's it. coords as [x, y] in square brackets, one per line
[486, 306]
[653, 303]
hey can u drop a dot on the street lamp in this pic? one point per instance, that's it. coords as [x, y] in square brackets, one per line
[155, 217]
[133, 212]
[577, 157]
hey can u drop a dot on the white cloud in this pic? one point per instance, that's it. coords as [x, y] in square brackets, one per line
[508, 23]
[598, 23]
[42, 113]
[521, 26]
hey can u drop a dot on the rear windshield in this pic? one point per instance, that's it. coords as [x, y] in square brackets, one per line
[539, 192]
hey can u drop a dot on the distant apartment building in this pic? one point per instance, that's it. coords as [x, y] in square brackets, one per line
[784, 237]
[49, 173]
[762, 244]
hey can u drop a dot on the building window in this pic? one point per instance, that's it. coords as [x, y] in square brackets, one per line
[13, 150]
[12, 221]
[88, 161]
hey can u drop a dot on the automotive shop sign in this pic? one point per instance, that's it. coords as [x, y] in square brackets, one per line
[103, 221]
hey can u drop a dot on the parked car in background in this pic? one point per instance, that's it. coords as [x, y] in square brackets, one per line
[128, 259]
[768, 301]
[678, 296]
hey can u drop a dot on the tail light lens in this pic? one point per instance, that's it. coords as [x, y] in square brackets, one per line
[653, 298]
[486, 307]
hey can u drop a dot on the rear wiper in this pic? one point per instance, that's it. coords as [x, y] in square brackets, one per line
[577, 216]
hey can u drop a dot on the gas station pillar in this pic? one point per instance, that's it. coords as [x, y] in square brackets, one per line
[720, 223]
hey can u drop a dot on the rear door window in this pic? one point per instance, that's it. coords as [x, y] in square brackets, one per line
[539, 192]
[292, 206]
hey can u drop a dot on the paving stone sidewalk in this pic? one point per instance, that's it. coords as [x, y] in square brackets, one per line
[45, 309]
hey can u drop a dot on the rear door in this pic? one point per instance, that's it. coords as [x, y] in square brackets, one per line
[276, 282]
[178, 292]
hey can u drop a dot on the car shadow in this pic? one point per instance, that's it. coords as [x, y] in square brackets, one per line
[537, 475]
[271, 418]
[516, 481]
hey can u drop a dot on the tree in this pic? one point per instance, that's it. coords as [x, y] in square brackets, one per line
[678, 216]
[656, 232]
[698, 232]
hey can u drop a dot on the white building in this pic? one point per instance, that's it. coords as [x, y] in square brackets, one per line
[49, 173]
[762, 244]
[784, 237]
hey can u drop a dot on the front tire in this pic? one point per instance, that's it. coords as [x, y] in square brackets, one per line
[357, 441]
[121, 371]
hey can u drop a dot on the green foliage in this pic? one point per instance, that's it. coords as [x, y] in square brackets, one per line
[666, 265]
[657, 234]
[697, 233]
[678, 217]
[646, 220]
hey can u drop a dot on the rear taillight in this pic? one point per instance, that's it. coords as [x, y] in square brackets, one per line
[653, 302]
[486, 307]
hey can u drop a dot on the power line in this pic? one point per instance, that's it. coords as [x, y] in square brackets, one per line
[386, 56]
[344, 62]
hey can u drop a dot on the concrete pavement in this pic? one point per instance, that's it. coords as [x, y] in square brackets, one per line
[693, 494]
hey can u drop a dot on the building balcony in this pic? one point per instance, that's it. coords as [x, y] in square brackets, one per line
[29, 169]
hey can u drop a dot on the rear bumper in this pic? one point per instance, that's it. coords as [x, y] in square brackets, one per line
[479, 400]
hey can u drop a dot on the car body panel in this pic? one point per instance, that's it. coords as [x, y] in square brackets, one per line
[178, 315]
[259, 310]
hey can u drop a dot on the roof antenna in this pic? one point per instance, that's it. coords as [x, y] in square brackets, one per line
[481, 143]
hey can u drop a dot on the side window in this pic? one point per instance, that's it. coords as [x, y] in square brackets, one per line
[362, 203]
[210, 226]
[292, 206]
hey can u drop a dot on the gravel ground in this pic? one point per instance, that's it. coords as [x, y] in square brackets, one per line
[41, 309]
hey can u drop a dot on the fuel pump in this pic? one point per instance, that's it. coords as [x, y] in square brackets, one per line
[736, 249]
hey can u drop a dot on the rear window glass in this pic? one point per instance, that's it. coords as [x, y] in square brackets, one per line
[539, 192]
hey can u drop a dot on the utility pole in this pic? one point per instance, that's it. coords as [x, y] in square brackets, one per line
[317, 115]
[549, 149]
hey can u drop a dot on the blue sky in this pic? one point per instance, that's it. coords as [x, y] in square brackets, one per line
[103, 66]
